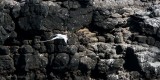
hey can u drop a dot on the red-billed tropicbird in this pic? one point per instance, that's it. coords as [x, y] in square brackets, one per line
[58, 36]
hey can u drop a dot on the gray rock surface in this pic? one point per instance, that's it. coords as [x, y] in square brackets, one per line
[107, 40]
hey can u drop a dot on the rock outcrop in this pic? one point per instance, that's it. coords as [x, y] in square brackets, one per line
[107, 40]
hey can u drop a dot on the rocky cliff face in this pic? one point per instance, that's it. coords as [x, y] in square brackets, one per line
[107, 40]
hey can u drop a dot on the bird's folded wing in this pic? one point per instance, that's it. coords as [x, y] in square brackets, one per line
[49, 40]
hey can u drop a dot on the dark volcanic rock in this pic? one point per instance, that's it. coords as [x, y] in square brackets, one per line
[147, 24]
[118, 37]
[158, 33]
[87, 64]
[4, 50]
[33, 1]
[16, 11]
[14, 49]
[72, 49]
[81, 48]
[25, 49]
[157, 44]
[6, 64]
[78, 18]
[151, 26]
[107, 39]
[74, 63]
[50, 48]
[147, 60]
[6, 26]
[150, 40]
[102, 66]
[135, 75]
[42, 49]
[141, 39]
[31, 16]
[2, 78]
[60, 49]
[101, 39]
[55, 18]
[71, 4]
[101, 20]
[40, 62]
[26, 62]
[72, 39]
[118, 64]
[61, 61]
[120, 49]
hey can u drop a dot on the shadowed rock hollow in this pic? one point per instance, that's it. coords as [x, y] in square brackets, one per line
[107, 40]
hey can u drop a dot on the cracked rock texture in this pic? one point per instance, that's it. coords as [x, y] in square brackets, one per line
[107, 40]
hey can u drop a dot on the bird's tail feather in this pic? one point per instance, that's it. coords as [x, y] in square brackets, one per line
[45, 41]
[49, 40]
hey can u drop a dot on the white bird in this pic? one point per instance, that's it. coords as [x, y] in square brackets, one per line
[58, 36]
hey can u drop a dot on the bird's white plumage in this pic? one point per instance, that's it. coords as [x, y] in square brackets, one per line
[58, 36]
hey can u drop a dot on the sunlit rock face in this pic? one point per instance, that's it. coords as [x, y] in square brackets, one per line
[104, 39]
